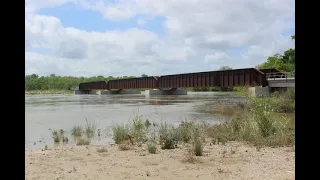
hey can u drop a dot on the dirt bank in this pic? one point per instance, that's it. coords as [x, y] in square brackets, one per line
[231, 161]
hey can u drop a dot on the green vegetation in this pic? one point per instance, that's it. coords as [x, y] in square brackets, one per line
[54, 83]
[152, 147]
[261, 123]
[285, 62]
[59, 136]
[77, 133]
[102, 150]
[83, 142]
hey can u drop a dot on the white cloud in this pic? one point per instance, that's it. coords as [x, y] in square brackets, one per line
[194, 28]
[141, 22]
[217, 57]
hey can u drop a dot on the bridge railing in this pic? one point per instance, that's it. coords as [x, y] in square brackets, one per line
[283, 75]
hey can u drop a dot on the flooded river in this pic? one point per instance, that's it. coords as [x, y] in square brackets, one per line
[45, 112]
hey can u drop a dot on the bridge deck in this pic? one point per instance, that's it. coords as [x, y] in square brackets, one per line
[225, 78]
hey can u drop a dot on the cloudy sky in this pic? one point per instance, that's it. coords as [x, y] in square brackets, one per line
[154, 37]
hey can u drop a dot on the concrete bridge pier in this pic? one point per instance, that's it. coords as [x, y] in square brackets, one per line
[124, 91]
[173, 91]
[260, 91]
[266, 91]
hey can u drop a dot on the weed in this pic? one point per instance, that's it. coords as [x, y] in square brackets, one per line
[77, 131]
[102, 150]
[185, 131]
[56, 136]
[197, 147]
[168, 136]
[138, 131]
[152, 147]
[189, 158]
[120, 133]
[82, 142]
[124, 147]
[90, 129]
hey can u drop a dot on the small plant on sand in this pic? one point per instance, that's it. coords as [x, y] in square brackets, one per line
[189, 158]
[185, 130]
[197, 144]
[76, 131]
[59, 136]
[261, 110]
[90, 129]
[138, 131]
[102, 150]
[152, 147]
[120, 133]
[82, 142]
[168, 136]
[124, 147]
[56, 136]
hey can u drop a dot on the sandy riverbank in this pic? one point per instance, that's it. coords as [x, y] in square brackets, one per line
[231, 161]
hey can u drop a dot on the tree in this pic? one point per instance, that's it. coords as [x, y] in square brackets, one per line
[224, 68]
[285, 62]
[144, 75]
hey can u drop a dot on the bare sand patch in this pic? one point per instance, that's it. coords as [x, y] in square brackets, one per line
[235, 160]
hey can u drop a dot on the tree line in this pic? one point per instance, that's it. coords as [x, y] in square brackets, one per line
[284, 62]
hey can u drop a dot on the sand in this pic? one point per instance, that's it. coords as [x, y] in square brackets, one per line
[234, 160]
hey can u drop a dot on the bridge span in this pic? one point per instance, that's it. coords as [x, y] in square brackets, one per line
[262, 79]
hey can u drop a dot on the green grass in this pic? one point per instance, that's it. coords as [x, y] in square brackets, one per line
[152, 147]
[168, 135]
[59, 136]
[260, 123]
[136, 131]
[102, 150]
[90, 128]
[83, 142]
[77, 131]
[197, 144]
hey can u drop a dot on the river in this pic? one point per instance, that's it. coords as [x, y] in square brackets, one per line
[45, 112]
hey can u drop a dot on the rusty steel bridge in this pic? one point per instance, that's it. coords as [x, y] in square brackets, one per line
[251, 77]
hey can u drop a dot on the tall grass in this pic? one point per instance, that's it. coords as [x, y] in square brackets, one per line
[258, 124]
[90, 128]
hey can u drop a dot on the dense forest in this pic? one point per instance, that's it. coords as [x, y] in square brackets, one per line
[285, 62]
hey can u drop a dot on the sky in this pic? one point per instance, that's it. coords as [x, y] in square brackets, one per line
[154, 37]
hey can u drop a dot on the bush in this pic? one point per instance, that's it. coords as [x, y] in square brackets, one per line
[197, 144]
[120, 133]
[168, 136]
[152, 147]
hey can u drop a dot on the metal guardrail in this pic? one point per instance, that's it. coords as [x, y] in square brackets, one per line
[281, 75]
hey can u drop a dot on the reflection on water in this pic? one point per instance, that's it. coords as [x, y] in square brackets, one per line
[63, 111]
